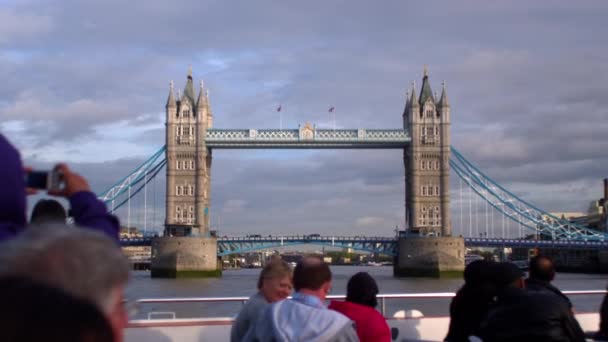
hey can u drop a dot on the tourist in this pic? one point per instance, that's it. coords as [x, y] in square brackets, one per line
[274, 284]
[359, 306]
[48, 211]
[32, 311]
[602, 334]
[472, 301]
[542, 273]
[86, 209]
[304, 317]
[520, 315]
[84, 263]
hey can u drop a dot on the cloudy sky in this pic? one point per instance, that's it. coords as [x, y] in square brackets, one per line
[86, 82]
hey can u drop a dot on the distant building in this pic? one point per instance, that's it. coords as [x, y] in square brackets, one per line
[595, 218]
[575, 260]
[130, 233]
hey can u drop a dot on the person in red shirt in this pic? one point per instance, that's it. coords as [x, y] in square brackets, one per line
[359, 306]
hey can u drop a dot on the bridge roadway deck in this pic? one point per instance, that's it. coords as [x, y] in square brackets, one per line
[382, 245]
[307, 137]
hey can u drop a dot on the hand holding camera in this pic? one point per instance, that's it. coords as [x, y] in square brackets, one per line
[61, 181]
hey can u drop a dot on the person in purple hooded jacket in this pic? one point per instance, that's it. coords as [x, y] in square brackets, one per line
[87, 210]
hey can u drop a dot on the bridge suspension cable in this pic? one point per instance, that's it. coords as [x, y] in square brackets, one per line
[138, 179]
[516, 209]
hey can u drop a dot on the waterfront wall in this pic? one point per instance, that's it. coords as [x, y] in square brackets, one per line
[429, 257]
[174, 257]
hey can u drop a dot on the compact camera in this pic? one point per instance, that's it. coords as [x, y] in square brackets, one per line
[45, 180]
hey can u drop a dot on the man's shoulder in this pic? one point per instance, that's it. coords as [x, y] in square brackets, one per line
[319, 313]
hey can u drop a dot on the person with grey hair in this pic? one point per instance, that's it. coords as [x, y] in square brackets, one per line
[84, 263]
[274, 284]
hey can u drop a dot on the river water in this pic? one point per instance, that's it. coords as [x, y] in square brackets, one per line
[242, 282]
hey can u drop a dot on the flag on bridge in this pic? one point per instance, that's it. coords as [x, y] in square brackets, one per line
[331, 109]
[279, 108]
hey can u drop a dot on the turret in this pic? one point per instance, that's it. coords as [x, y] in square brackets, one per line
[201, 104]
[443, 110]
[189, 90]
[426, 92]
[209, 112]
[171, 106]
[171, 99]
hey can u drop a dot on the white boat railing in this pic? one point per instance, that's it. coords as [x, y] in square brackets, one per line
[381, 297]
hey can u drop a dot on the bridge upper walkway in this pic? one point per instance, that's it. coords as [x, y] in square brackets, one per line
[307, 137]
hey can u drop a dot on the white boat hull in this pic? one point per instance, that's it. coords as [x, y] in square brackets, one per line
[218, 329]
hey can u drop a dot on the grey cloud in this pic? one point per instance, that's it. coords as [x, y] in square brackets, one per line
[16, 25]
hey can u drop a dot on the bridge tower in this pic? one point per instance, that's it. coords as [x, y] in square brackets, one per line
[186, 248]
[427, 247]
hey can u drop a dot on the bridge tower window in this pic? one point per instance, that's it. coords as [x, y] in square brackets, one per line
[436, 190]
[423, 165]
[429, 113]
[191, 164]
[423, 190]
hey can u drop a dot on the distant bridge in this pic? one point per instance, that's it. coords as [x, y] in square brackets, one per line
[380, 245]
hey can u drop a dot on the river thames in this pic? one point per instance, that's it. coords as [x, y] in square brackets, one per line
[242, 282]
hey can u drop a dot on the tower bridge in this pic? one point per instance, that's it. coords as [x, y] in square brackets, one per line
[188, 248]
[191, 140]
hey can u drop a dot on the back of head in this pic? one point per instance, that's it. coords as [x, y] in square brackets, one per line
[478, 272]
[48, 211]
[542, 268]
[275, 269]
[362, 289]
[12, 183]
[84, 263]
[32, 311]
[506, 275]
[311, 273]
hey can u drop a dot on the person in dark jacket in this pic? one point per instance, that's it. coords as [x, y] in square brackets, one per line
[87, 210]
[359, 306]
[602, 334]
[520, 315]
[472, 301]
[542, 273]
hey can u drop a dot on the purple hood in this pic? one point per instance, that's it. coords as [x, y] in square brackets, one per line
[12, 191]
